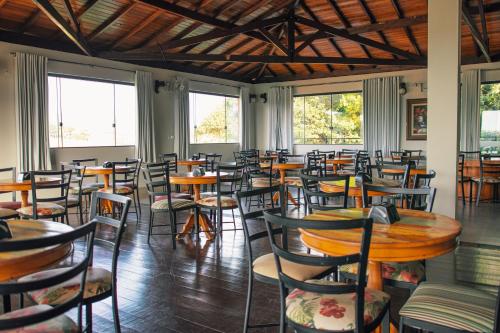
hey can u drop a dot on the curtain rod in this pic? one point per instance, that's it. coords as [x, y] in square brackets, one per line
[220, 84]
[325, 84]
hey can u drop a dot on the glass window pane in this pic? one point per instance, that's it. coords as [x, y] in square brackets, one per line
[490, 118]
[347, 118]
[298, 120]
[54, 139]
[317, 119]
[233, 119]
[125, 114]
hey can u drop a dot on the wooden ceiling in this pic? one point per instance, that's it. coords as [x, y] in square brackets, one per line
[249, 40]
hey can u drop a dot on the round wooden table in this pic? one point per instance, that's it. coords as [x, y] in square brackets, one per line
[187, 178]
[105, 172]
[417, 236]
[400, 170]
[16, 264]
[190, 163]
[336, 162]
[355, 188]
[24, 186]
[282, 168]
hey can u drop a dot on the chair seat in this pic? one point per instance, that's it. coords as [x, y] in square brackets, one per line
[11, 204]
[162, 205]
[174, 195]
[265, 265]
[6, 213]
[264, 182]
[293, 181]
[208, 194]
[98, 185]
[72, 201]
[118, 190]
[458, 307]
[98, 282]
[42, 209]
[226, 202]
[487, 179]
[86, 189]
[412, 272]
[62, 323]
[332, 312]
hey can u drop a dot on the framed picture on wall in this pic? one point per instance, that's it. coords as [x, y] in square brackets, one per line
[416, 119]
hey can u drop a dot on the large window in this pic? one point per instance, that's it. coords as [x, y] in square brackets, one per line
[214, 118]
[490, 117]
[87, 113]
[328, 119]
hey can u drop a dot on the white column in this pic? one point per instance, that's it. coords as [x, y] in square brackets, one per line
[443, 94]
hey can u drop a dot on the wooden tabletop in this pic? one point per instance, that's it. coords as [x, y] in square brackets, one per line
[284, 166]
[8, 185]
[187, 178]
[191, 162]
[355, 187]
[16, 264]
[418, 235]
[399, 170]
[339, 161]
[100, 170]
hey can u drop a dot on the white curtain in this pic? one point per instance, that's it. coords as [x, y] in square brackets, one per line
[145, 138]
[32, 112]
[470, 116]
[381, 114]
[280, 118]
[180, 88]
[247, 122]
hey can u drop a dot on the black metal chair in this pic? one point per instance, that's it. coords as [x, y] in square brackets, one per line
[75, 196]
[162, 200]
[292, 178]
[101, 283]
[45, 195]
[462, 179]
[491, 177]
[311, 190]
[398, 157]
[317, 164]
[92, 161]
[317, 305]
[263, 268]
[262, 176]
[135, 183]
[42, 318]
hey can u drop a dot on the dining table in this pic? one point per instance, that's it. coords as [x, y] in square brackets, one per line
[189, 178]
[418, 235]
[282, 168]
[24, 186]
[338, 162]
[190, 163]
[399, 170]
[105, 173]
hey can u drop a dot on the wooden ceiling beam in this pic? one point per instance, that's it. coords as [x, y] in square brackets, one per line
[72, 15]
[111, 20]
[2, 3]
[469, 21]
[487, 8]
[307, 41]
[484, 29]
[30, 20]
[137, 28]
[163, 30]
[46, 7]
[84, 9]
[271, 52]
[274, 40]
[409, 33]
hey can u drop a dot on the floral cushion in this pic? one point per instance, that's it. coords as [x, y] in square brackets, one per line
[208, 194]
[42, 209]
[458, 307]
[72, 201]
[11, 204]
[412, 271]
[98, 281]
[174, 195]
[266, 265]
[162, 205]
[487, 179]
[293, 181]
[332, 312]
[226, 202]
[7, 213]
[263, 182]
[118, 190]
[86, 189]
[60, 324]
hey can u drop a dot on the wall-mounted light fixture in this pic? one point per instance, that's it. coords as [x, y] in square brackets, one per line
[402, 88]
[263, 98]
[158, 85]
[253, 98]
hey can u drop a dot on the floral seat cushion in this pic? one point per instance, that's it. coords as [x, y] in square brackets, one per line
[265, 265]
[263, 182]
[60, 324]
[162, 205]
[6, 213]
[208, 194]
[462, 308]
[118, 190]
[332, 312]
[98, 282]
[42, 209]
[174, 195]
[412, 272]
[226, 202]
[487, 179]
[86, 189]
[293, 181]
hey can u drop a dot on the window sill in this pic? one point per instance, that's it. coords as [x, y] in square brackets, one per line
[86, 147]
[216, 143]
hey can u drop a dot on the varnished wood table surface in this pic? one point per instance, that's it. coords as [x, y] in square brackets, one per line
[187, 178]
[355, 188]
[400, 170]
[16, 264]
[7, 185]
[190, 163]
[282, 167]
[338, 161]
[418, 235]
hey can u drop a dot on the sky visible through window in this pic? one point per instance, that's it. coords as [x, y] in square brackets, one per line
[85, 113]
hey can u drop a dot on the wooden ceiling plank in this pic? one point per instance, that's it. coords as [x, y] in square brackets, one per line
[373, 20]
[408, 31]
[163, 30]
[72, 15]
[2, 3]
[469, 21]
[84, 9]
[46, 7]
[111, 20]
[30, 20]
[484, 29]
[137, 28]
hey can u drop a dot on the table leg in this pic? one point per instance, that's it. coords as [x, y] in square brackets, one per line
[24, 198]
[106, 205]
[204, 222]
[376, 281]
[289, 195]
[359, 202]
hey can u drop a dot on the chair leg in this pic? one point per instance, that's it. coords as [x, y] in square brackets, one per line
[116, 315]
[173, 229]
[80, 212]
[479, 187]
[401, 325]
[470, 192]
[88, 317]
[282, 310]
[138, 201]
[463, 192]
[135, 207]
[385, 325]
[248, 303]
[150, 227]
[234, 220]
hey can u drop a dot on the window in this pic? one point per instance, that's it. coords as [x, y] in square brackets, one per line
[214, 118]
[328, 119]
[490, 118]
[86, 113]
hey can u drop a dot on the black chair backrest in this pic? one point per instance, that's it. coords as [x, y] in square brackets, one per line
[48, 190]
[172, 159]
[317, 164]
[398, 156]
[12, 175]
[124, 174]
[410, 193]
[287, 283]
[85, 232]
[362, 164]
[264, 169]
[460, 169]
[92, 161]
[311, 187]
[379, 156]
[423, 180]
[77, 175]
[211, 160]
[117, 224]
[137, 168]
[232, 180]
[157, 180]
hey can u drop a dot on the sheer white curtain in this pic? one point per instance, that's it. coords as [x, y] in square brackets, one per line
[247, 122]
[180, 87]
[145, 138]
[470, 115]
[32, 112]
[381, 114]
[280, 118]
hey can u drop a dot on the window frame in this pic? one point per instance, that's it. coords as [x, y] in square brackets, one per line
[93, 79]
[480, 111]
[331, 119]
[225, 118]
